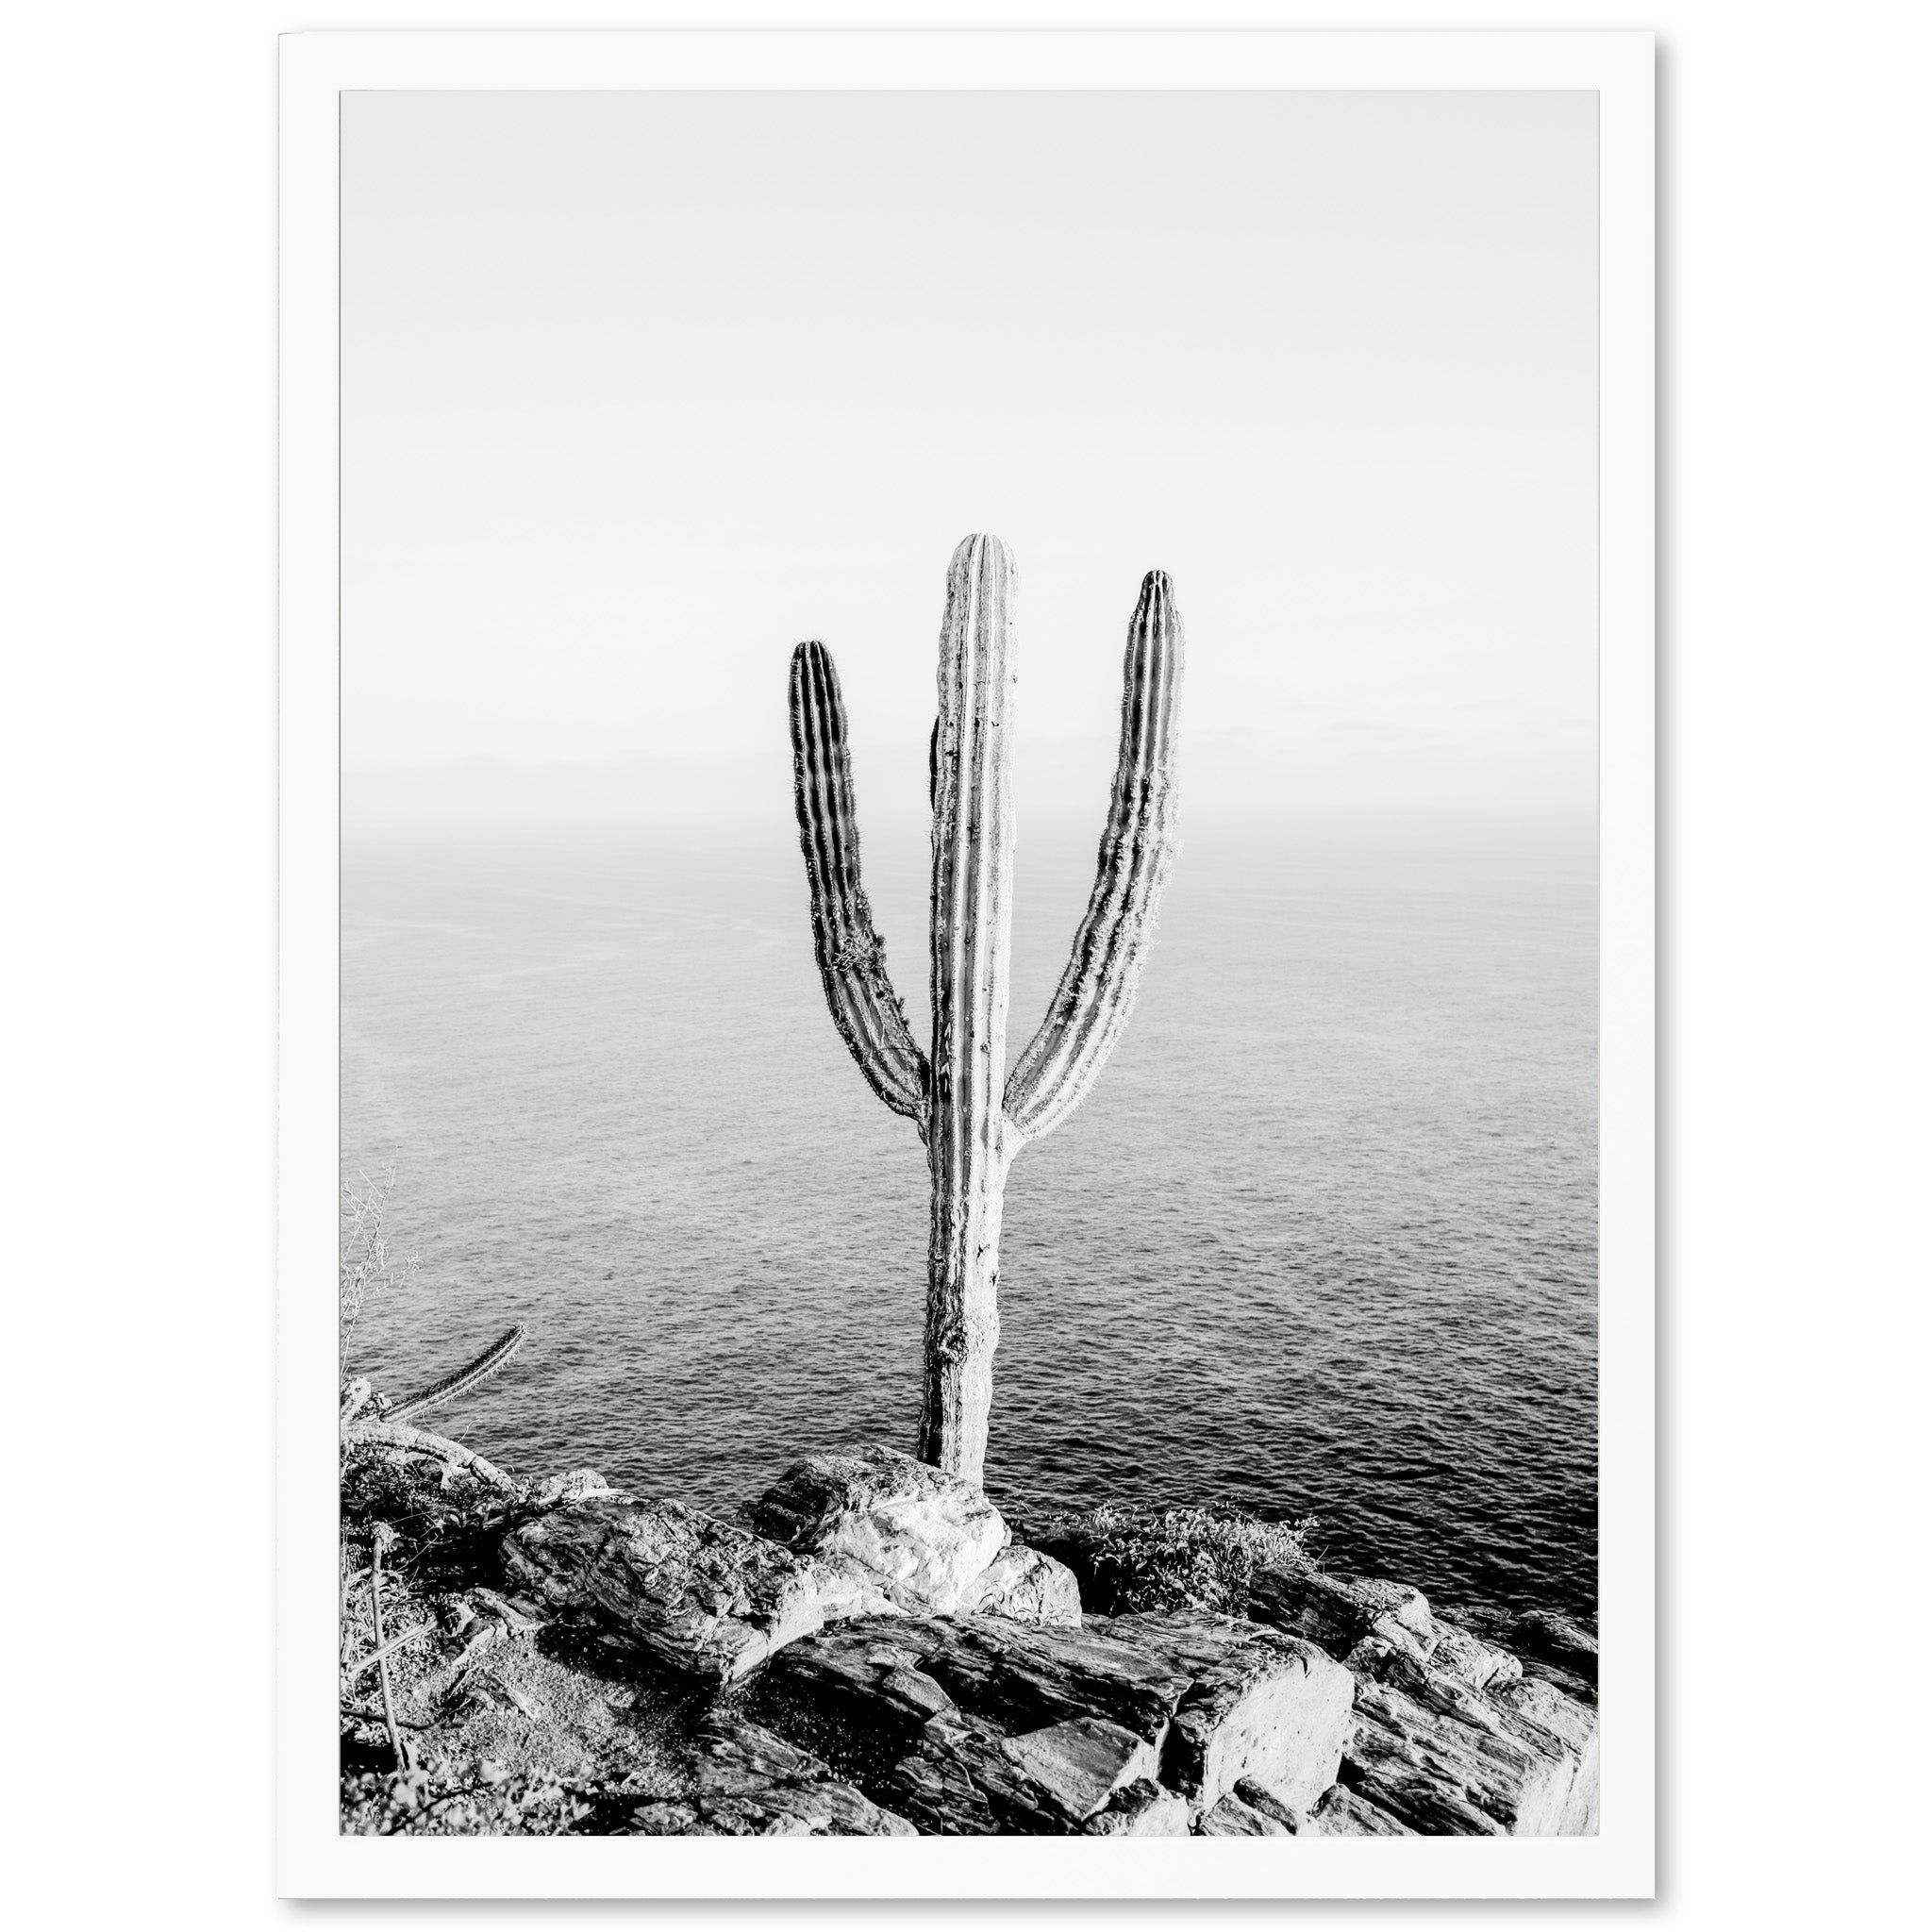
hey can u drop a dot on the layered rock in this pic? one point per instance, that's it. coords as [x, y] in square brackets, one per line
[881, 1678]
[967, 1777]
[1343, 1814]
[1339, 1612]
[1457, 1654]
[1085, 1761]
[1143, 1808]
[1563, 1653]
[858, 1692]
[1259, 1705]
[865, 1534]
[1231, 1816]
[667, 1583]
[1024, 1678]
[1008, 1727]
[745, 1782]
[1521, 1763]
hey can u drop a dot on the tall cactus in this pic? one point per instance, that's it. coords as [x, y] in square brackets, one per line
[973, 1115]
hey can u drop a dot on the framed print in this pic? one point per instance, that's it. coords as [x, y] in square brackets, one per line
[966, 964]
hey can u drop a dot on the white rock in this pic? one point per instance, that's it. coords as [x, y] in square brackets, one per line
[573, 1488]
[700, 1596]
[848, 1589]
[1274, 1708]
[1026, 1584]
[926, 1536]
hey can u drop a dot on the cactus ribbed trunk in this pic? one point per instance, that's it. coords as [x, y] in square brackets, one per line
[973, 1115]
[968, 1141]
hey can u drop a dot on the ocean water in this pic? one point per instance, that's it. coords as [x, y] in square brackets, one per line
[1322, 1242]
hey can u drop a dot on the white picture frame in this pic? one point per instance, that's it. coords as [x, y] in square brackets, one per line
[314, 1859]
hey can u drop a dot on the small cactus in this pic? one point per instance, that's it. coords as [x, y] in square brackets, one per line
[973, 1115]
[375, 1420]
[461, 1380]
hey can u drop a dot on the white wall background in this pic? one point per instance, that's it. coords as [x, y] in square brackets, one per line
[639, 390]
[138, 775]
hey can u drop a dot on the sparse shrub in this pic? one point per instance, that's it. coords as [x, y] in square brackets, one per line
[1135, 1558]
[365, 1259]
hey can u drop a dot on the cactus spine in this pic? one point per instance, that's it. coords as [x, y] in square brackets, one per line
[974, 1117]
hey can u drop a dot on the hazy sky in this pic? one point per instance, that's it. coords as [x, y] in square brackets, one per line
[639, 390]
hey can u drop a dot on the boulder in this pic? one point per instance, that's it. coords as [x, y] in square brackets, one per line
[1023, 1676]
[1193, 1640]
[1084, 1760]
[1550, 1646]
[984, 1725]
[1344, 1813]
[860, 1688]
[1141, 1809]
[1259, 1705]
[1028, 1586]
[923, 1535]
[847, 1588]
[1543, 1716]
[1521, 1763]
[1274, 1708]
[666, 1583]
[732, 1756]
[1555, 1640]
[1459, 1655]
[1398, 1664]
[1337, 1612]
[1457, 1673]
[1419, 1768]
[934, 1787]
[969, 1780]
[571, 1487]
[1271, 1804]
[1229, 1817]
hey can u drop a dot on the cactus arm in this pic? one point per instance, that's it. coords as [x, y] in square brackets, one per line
[969, 1143]
[867, 1012]
[1095, 995]
[464, 1378]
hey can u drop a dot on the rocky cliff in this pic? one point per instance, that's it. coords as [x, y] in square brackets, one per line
[873, 1651]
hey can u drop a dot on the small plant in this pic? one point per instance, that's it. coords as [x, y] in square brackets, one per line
[365, 1259]
[1131, 1557]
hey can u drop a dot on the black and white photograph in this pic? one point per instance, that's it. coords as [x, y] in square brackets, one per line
[969, 1040]
[964, 967]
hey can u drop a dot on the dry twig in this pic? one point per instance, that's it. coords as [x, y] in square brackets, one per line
[376, 1656]
[388, 1704]
[422, 1443]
